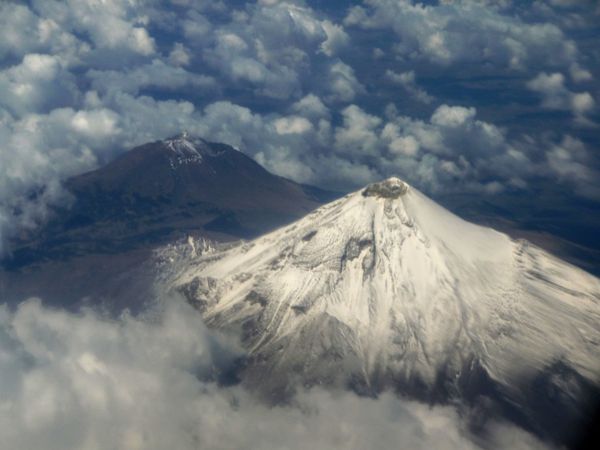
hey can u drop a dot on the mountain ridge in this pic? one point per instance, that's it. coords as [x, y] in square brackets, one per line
[163, 190]
[99, 249]
[385, 288]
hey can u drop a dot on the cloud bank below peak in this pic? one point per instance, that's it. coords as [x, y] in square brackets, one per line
[81, 381]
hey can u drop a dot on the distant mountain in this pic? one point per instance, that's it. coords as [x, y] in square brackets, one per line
[384, 288]
[163, 190]
[99, 250]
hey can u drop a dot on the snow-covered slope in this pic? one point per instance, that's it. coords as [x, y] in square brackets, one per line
[188, 149]
[384, 287]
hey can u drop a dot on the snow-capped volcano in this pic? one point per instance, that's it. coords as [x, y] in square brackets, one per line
[190, 149]
[386, 288]
[196, 178]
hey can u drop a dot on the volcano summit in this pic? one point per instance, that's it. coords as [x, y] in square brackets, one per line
[386, 289]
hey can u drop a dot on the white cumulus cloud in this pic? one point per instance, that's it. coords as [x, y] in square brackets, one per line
[83, 381]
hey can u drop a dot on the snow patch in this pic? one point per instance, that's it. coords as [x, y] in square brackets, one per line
[186, 150]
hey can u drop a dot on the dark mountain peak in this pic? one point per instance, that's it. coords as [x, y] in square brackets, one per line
[198, 142]
[185, 148]
[188, 170]
[165, 189]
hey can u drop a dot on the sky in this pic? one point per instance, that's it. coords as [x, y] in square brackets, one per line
[463, 96]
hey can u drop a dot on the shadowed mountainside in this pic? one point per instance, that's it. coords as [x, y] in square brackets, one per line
[153, 194]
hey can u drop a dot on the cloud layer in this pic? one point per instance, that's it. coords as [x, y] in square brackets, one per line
[82, 381]
[453, 96]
